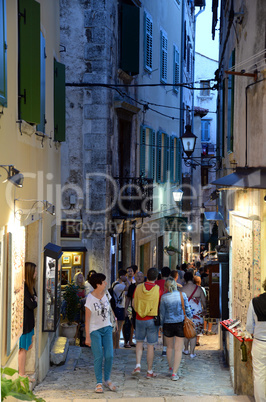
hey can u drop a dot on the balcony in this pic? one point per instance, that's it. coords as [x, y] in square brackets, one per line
[133, 197]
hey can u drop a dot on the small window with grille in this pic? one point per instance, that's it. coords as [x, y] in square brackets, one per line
[205, 88]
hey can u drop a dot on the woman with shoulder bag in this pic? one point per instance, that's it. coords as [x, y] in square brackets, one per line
[197, 302]
[172, 320]
[99, 330]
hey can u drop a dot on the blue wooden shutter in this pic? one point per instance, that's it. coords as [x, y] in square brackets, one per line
[130, 39]
[152, 155]
[29, 61]
[163, 57]
[172, 154]
[41, 126]
[148, 42]
[176, 69]
[3, 47]
[166, 157]
[59, 102]
[142, 151]
[159, 157]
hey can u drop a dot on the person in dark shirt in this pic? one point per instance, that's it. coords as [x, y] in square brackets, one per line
[30, 303]
[160, 282]
[139, 278]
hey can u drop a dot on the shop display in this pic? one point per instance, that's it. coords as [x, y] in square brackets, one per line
[237, 329]
[51, 288]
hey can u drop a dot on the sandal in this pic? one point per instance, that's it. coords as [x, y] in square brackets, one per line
[99, 388]
[110, 385]
[127, 346]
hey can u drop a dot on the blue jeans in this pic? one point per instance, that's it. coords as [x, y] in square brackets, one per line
[102, 346]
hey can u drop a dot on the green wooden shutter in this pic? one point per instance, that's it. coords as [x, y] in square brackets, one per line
[166, 157]
[41, 126]
[152, 155]
[3, 47]
[142, 151]
[172, 153]
[59, 102]
[159, 157]
[148, 42]
[130, 39]
[29, 61]
[163, 57]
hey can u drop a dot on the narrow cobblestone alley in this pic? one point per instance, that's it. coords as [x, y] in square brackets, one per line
[203, 378]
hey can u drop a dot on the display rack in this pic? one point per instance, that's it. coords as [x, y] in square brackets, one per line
[233, 331]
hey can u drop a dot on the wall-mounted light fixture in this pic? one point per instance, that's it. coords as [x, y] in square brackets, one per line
[13, 175]
[188, 139]
[177, 195]
[47, 206]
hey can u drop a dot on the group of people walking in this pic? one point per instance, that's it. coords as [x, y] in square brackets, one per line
[155, 305]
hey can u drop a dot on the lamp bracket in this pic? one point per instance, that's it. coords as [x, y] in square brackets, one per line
[212, 163]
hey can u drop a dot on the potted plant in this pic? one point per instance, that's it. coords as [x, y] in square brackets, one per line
[18, 388]
[70, 310]
[170, 250]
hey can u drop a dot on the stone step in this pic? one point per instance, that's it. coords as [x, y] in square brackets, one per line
[59, 351]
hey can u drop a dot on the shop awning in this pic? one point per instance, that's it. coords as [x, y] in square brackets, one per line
[213, 216]
[244, 178]
[54, 250]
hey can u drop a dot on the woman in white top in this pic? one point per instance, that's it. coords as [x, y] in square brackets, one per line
[99, 330]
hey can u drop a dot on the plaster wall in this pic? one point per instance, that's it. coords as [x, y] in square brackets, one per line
[39, 162]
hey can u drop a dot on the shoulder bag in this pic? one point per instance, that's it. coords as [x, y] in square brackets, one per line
[189, 326]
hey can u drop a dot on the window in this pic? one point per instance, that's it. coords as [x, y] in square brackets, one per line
[29, 61]
[59, 102]
[148, 43]
[130, 39]
[205, 130]
[3, 47]
[204, 176]
[205, 88]
[163, 56]
[147, 152]
[176, 69]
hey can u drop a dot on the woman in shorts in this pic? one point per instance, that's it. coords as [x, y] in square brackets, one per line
[172, 320]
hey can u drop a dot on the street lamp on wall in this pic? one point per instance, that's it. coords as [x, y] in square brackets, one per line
[177, 195]
[188, 139]
[13, 175]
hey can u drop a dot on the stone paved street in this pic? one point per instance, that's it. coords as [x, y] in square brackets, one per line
[203, 378]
